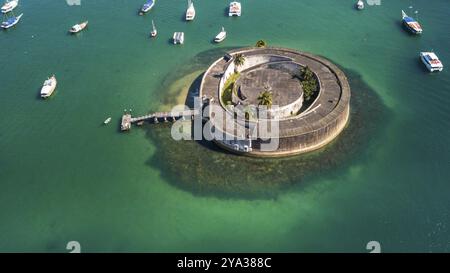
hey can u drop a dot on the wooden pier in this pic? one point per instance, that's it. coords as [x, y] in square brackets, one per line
[128, 120]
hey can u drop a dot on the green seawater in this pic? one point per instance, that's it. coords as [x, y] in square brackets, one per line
[64, 176]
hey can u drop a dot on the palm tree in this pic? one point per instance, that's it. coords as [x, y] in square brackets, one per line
[261, 43]
[265, 98]
[239, 61]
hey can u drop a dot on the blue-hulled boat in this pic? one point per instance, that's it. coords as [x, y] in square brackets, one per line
[411, 24]
[12, 21]
[148, 5]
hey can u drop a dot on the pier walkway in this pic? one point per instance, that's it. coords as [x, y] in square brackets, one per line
[128, 120]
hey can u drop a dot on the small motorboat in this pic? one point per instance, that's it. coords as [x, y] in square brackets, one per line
[154, 31]
[190, 12]
[221, 36]
[148, 6]
[360, 5]
[108, 120]
[10, 6]
[411, 24]
[431, 61]
[78, 27]
[48, 87]
[12, 21]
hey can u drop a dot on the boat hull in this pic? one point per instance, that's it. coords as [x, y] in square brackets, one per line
[47, 90]
[429, 67]
[6, 25]
[78, 29]
[10, 6]
[147, 8]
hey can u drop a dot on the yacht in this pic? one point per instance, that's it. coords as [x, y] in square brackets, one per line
[154, 31]
[190, 12]
[235, 9]
[48, 87]
[411, 24]
[178, 38]
[78, 27]
[431, 61]
[11, 21]
[148, 6]
[221, 36]
[360, 5]
[9, 6]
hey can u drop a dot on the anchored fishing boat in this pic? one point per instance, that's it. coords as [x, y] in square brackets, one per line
[235, 9]
[78, 27]
[190, 12]
[148, 6]
[48, 87]
[221, 36]
[360, 5]
[154, 31]
[10, 6]
[431, 61]
[411, 24]
[11, 21]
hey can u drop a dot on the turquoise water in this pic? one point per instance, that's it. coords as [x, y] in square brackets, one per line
[64, 176]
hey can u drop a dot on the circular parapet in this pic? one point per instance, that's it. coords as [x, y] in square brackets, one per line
[282, 130]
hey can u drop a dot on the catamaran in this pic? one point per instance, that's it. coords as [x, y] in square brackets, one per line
[78, 27]
[9, 6]
[190, 12]
[235, 9]
[411, 24]
[431, 61]
[48, 87]
[12, 21]
[154, 30]
[178, 38]
[221, 36]
[148, 6]
[360, 5]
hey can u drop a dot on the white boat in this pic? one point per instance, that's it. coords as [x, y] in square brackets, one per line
[148, 6]
[190, 12]
[178, 38]
[235, 9]
[12, 21]
[360, 5]
[108, 120]
[221, 36]
[48, 87]
[154, 30]
[10, 6]
[431, 61]
[78, 27]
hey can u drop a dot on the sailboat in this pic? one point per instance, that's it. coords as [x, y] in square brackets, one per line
[411, 24]
[78, 27]
[147, 6]
[12, 21]
[154, 30]
[190, 12]
[9, 6]
[221, 36]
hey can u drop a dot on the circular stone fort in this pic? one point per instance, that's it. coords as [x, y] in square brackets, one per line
[291, 123]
